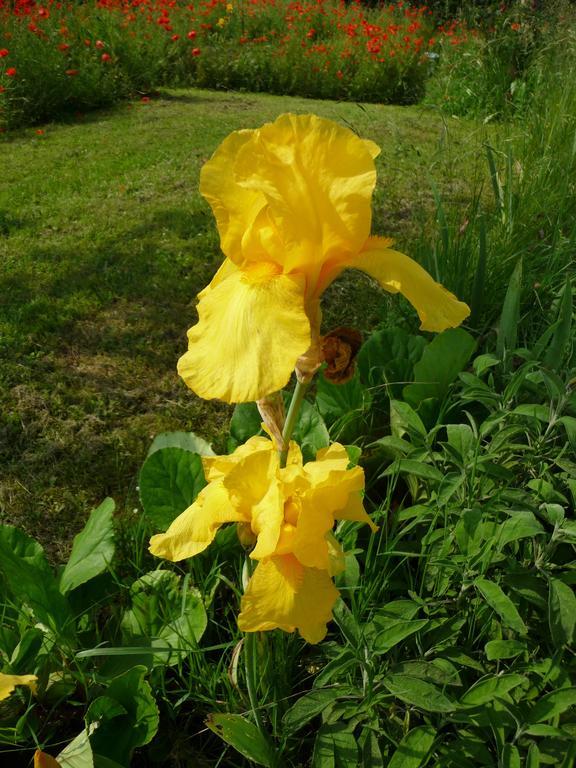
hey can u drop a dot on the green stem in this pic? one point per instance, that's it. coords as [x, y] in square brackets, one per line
[291, 418]
[250, 665]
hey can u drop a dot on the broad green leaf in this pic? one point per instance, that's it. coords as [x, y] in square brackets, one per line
[569, 424]
[441, 362]
[78, 754]
[521, 525]
[487, 689]
[336, 400]
[388, 357]
[393, 632]
[245, 423]
[414, 749]
[419, 693]
[501, 604]
[335, 747]
[165, 615]
[30, 579]
[310, 705]
[552, 704]
[244, 736]
[170, 480]
[510, 757]
[310, 432]
[503, 649]
[561, 612]
[117, 736]
[92, 550]
[188, 441]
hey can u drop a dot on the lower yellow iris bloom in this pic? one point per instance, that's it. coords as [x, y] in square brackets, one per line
[290, 512]
[292, 202]
[9, 682]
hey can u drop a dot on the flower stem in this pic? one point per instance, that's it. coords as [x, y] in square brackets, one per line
[250, 665]
[291, 418]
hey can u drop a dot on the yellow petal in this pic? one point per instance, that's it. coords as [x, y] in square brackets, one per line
[42, 760]
[218, 467]
[437, 308]
[284, 594]
[251, 331]
[354, 510]
[193, 530]
[234, 207]
[9, 682]
[267, 521]
[317, 178]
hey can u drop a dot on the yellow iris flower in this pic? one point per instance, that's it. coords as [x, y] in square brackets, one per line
[290, 512]
[9, 682]
[292, 202]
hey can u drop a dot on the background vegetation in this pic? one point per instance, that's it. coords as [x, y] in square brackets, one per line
[453, 645]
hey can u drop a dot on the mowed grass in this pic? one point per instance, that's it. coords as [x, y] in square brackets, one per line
[104, 244]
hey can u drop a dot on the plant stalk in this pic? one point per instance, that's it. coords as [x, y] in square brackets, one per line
[291, 418]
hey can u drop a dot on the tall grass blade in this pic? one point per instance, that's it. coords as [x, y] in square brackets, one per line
[478, 286]
[495, 179]
[562, 338]
[508, 326]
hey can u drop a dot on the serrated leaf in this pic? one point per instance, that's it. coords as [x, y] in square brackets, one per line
[419, 693]
[561, 612]
[501, 604]
[414, 749]
[244, 736]
[188, 441]
[92, 550]
[170, 480]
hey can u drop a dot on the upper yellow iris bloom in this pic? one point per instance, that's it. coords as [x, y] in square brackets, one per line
[292, 202]
[290, 512]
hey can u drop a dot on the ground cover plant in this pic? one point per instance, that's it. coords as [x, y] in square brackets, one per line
[70, 56]
[452, 640]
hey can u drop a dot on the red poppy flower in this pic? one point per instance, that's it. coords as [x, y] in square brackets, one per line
[4, 52]
[174, 38]
[195, 51]
[71, 72]
[11, 72]
[63, 47]
[191, 35]
[105, 57]
[39, 131]
[99, 44]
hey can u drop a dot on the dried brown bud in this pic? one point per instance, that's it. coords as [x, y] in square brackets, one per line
[271, 409]
[308, 363]
[339, 350]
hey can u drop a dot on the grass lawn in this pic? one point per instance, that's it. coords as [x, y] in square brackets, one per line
[104, 243]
